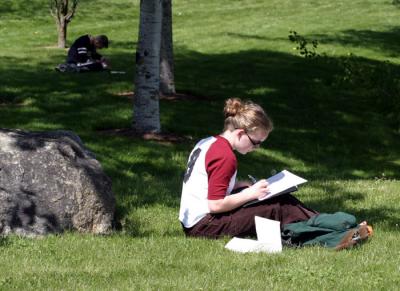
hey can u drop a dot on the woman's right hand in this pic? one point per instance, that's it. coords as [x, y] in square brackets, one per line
[256, 191]
[259, 189]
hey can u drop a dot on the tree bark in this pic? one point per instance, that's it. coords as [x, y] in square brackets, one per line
[62, 11]
[62, 33]
[146, 112]
[167, 82]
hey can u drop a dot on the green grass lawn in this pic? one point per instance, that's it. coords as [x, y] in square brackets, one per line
[337, 123]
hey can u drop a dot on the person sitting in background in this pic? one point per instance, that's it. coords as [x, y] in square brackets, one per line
[83, 55]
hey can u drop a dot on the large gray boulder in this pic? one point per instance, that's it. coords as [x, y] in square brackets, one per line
[49, 182]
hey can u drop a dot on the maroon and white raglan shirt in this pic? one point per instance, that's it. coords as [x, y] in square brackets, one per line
[210, 175]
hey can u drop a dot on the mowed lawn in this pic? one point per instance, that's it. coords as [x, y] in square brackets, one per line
[337, 123]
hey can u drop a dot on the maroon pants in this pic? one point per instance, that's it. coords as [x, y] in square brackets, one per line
[240, 222]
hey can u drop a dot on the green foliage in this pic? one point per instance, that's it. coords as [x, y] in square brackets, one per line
[306, 48]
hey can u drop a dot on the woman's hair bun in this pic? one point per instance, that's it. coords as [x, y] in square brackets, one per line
[232, 107]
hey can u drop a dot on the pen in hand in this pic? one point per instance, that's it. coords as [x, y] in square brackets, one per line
[252, 179]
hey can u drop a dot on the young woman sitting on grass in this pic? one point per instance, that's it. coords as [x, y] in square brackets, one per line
[208, 210]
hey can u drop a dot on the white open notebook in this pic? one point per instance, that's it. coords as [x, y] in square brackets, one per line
[268, 238]
[281, 183]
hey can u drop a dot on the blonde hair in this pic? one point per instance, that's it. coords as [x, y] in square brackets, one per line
[245, 115]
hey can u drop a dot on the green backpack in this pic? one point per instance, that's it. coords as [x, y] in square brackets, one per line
[338, 230]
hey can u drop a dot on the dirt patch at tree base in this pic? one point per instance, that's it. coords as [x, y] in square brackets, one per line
[172, 97]
[163, 137]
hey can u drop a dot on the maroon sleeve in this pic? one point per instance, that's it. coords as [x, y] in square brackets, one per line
[220, 166]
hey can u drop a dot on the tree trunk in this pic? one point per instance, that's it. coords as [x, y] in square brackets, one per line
[62, 32]
[146, 112]
[62, 11]
[167, 82]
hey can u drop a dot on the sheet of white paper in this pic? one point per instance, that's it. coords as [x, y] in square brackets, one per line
[269, 238]
[243, 245]
[269, 233]
[282, 181]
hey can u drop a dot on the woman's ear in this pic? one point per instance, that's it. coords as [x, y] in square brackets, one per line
[239, 132]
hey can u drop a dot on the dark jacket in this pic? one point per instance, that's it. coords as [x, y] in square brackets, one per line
[82, 51]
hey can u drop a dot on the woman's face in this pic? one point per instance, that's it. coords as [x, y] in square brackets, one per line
[247, 142]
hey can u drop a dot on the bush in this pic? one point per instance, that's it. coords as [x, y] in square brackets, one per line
[306, 48]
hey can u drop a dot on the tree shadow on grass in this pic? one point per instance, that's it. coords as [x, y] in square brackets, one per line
[385, 42]
[339, 198]
[338, 133]
[4, 241]
[382, 41]
[315, 123]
